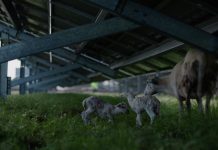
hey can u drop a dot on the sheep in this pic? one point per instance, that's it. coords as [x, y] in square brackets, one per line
[94, 104]
[191, 78]
[139, 104]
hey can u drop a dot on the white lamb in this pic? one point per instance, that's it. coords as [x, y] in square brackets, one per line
[93, 104]
[147, 103]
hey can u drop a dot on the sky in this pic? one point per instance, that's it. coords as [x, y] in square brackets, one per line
[12, 65]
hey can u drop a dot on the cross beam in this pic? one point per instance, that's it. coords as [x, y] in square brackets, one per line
[51, 80]
[148, 17]
[12, 14]
[161, 48]
[64, 38]
[42, 61]
[49, 73]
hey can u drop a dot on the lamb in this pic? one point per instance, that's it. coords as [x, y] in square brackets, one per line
[191, 78]
[147, 103]
[94, 104]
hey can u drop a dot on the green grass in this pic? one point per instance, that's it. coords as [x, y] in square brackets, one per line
[52, 121]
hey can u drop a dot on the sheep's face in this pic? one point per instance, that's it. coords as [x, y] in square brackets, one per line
[121, 108]
[150, 88]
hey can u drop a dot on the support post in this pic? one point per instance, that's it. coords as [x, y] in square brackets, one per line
[22, 75]
[8, 85]
[31, 82]
[3, 80]
[3, 77]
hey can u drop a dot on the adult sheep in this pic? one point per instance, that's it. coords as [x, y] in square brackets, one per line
[192, 78]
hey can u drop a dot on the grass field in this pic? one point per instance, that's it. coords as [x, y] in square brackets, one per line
[52, 121]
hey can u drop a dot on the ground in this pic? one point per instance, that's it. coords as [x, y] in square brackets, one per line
[52, 121]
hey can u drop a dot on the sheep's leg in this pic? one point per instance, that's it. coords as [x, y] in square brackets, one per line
[200, 106]
[199, 86]
[83, 115]
[110, 118]
[138, 120]
[152, 115]
[181, 107]
[207, 105]
[188, 105]
[86, 115]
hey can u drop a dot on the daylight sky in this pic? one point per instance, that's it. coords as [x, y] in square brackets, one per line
[12, 65]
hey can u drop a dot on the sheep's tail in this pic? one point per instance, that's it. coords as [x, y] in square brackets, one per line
[84, 103]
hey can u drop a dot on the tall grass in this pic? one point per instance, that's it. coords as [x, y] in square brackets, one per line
[52, 121]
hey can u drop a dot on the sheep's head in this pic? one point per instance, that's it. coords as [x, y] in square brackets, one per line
[150, 87]
[121, 108]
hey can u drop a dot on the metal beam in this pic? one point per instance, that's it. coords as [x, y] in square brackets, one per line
[101, 16]
[50, 24]
[12, 14]
[3, 80]
[64, 38]
[86, 62]
[73, 10]
[161, 48]
[148, 17]
[42, 61]
[73, 74]
[22, 88]
[48, 73]
[166, 61]
[51, 80]
[3, 75]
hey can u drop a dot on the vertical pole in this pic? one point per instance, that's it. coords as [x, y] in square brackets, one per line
[22, 75]
[3, 77]
[8, 85]
[50, 24]
[31, 82]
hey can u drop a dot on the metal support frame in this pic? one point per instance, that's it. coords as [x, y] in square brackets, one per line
[48, 81]
[66, 37]
[162, 48]
[148, 17]
[3, 75]
[57, 69]
[30, 82]
[50, 24]
[73, 10]
[101, 16]
[8, 85]
[42, 61]
[50, 73]
[12, 14]
[3, 80]
[22, 88]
